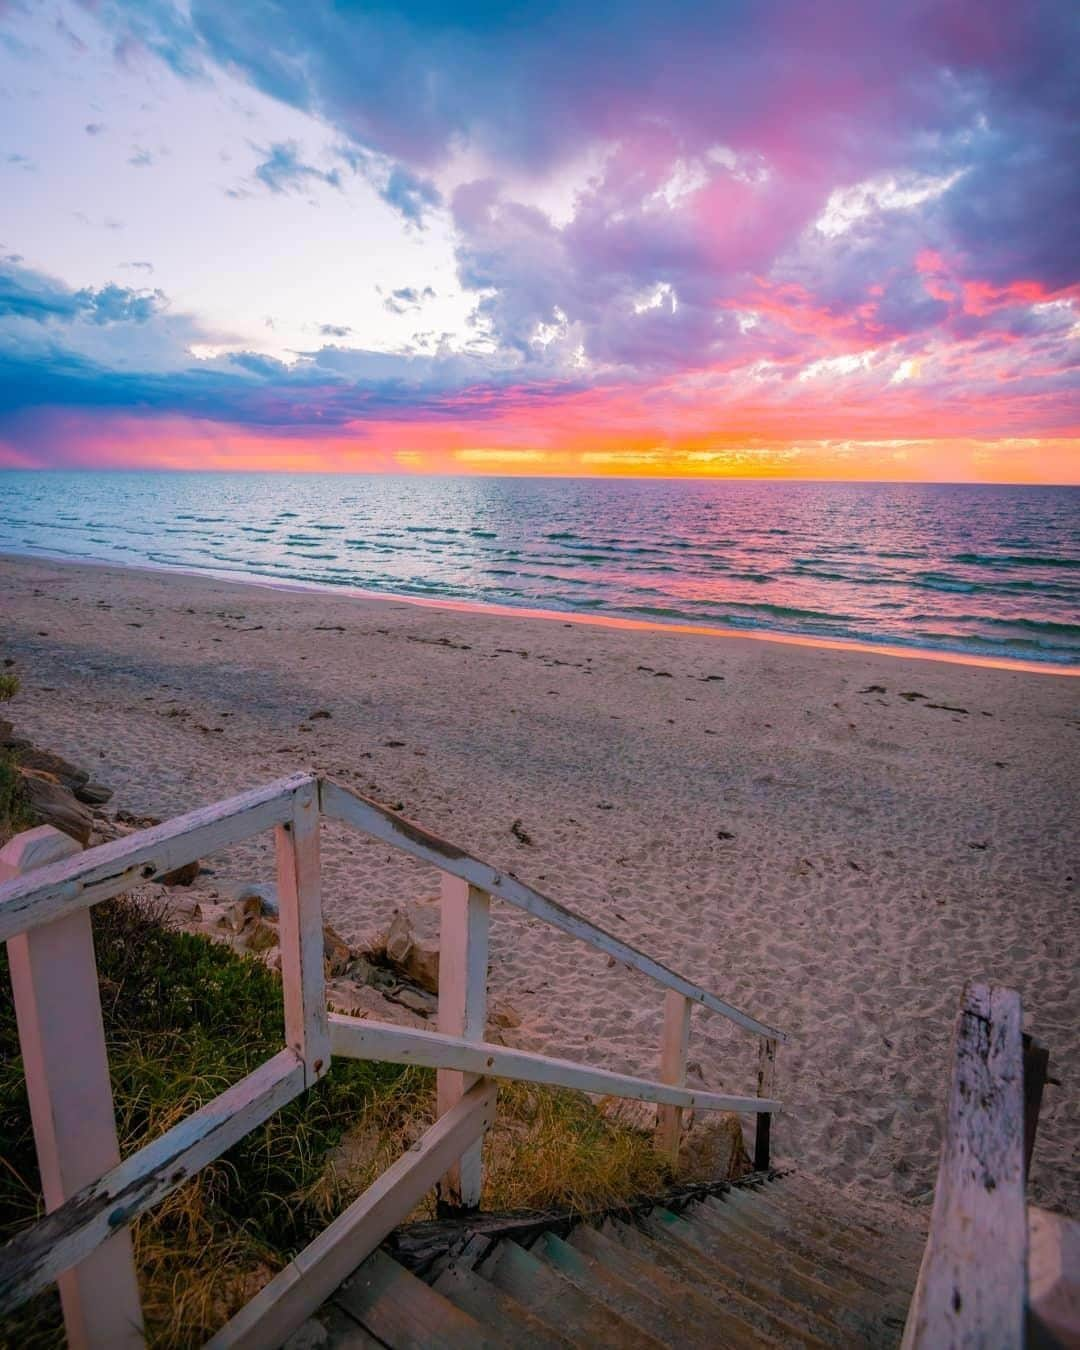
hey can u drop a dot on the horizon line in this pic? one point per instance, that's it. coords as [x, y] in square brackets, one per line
[591, 477]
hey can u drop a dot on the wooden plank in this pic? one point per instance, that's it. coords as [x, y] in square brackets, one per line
[365, 1038]
[463, 963]
[341, 803]
[35, 1258]
[104, 871]
[300, 926]
[401, 1310]
[972, 1287]
[309, 1280]
[674, 1043]
[766, 1081]
[62, 1037]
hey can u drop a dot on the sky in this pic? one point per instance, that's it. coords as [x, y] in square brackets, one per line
[749, 237]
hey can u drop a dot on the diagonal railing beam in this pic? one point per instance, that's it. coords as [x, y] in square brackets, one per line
[341, 803]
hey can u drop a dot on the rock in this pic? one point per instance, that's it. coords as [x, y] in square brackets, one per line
[46, 762]
[52, 804]
[318, 714]
[371, 943]
[412, 943]
[360, 1000]
[7, 730]
[136, 822]
[503, 1015]
[361, 971]
[259, 936]
[336, 953]
[181, 876]
[94, 794]
[231, 915]
[264, 891]
[416, 1000]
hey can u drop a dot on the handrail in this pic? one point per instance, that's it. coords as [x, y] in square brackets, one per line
[342, 803]
[43, 916]
[972, 1286]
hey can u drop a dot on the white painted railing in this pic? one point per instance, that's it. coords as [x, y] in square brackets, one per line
[83, 1242]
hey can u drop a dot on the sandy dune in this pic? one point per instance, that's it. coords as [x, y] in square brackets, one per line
[779, 823]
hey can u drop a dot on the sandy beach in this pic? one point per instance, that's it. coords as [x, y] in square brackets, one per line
[832, 840]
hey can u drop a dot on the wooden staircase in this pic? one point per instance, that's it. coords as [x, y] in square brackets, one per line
[776, 1260]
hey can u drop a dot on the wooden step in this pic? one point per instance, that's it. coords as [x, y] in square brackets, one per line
[893, 1219]
[639, 1304]
[899, 1229]
[331, 1329]
[494, 1308]
[709, 1322]
[752, 1277]
[853, 1282]
[405, 1313]
[813, 1236]
[686, 1263]
[828, 1293]
[583, 1320]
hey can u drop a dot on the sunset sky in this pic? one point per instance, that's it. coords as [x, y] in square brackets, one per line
[833, 239]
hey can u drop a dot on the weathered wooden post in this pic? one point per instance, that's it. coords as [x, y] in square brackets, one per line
[673, 1047]
[463, 961]
[58, 1009]
[766, 1075]
[300, 924]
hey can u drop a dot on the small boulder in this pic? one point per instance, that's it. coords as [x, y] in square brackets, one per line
[258, 936]
[503, 1015]
[93, 794]
[52, 804]
[416, 1000]
[627, 1112]
[360, 1000]
[336, 953]
[412, 943]
[265, 892]
[44, 760]
[181, 876]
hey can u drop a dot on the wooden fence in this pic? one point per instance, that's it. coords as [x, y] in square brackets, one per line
[92, 1196]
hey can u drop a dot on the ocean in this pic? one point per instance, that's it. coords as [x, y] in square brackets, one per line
[992, 571]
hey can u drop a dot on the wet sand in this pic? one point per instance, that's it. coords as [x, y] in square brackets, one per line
[831, 840]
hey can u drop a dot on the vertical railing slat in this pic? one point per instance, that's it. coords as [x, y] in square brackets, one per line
[673, 1048]
[463, 960]
[766, 1077]
[62, 1037]
[301, 932]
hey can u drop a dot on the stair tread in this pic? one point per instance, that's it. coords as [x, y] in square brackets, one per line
[890, 1217]
[331, 1329]
[846, 1215]
[536, 1285]
[810, 1233]
[826, 1290]
[405, 1313]
[768, 1322]
[493, 1307]
[641, 1305]
[715, 1324]
[819, 1326]
[852, 1284]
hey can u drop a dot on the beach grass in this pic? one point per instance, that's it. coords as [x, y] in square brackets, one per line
[184, 1018]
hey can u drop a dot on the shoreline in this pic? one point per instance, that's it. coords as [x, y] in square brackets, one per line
[834, 841]
[550, 615]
